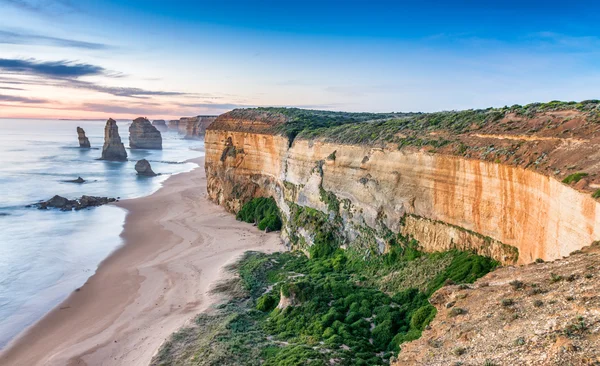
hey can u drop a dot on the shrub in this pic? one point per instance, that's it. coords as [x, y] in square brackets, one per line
[266, 302]
[596, 194]
[516, 284]
[538, 303]
[262, 211]
[422, 317]
[507, 302]
[574, 178]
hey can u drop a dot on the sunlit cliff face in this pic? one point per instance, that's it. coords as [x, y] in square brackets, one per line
[443, 201]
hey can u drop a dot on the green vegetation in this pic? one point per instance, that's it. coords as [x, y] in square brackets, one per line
[263, 212]
[574, 178]
[339, 306]
[596, 194]
[400, 128]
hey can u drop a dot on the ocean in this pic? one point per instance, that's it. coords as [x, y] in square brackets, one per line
[47, 254]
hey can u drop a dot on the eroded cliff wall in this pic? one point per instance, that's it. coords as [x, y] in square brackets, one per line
[444, 201]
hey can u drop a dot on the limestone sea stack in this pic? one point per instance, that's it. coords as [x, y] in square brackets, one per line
[113, 148]
[173, 124]
[142, 167]
[142, 135]
[160, 125]
[84, 142]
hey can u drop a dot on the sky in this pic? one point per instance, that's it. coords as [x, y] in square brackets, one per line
[166, 59]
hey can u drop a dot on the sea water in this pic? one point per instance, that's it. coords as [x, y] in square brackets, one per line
[47, 254]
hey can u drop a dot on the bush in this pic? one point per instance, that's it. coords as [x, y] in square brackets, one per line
[263, 211]
[422, 317]
[267, 302]
[596, 194]
[574, 178]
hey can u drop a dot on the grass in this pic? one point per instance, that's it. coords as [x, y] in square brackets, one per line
[263, 212]
[596, 194]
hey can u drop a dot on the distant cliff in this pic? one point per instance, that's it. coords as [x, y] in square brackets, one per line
[486, 180]
[192, 127]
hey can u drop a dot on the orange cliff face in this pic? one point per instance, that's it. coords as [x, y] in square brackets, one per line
[443, 200]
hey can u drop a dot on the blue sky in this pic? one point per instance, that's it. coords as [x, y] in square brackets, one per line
[94, 59]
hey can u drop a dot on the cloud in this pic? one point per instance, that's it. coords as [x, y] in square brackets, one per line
[52, 69]
[44, 7]
[7, 37]
[10, 88]
[13, 98]
[115, 90]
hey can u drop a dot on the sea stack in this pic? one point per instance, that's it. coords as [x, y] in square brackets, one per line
[160, 125]
[142, 167]
[195, 127]
[84, 142]
[113, 148]
[142, 135]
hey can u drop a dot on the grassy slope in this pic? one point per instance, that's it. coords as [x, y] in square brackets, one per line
[344, 308]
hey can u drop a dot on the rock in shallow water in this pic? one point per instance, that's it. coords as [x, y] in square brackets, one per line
[84, 142]
[113, 148]
[160, 125]
[143, 167]
[78, 180]
[142, 135]
[65, 204]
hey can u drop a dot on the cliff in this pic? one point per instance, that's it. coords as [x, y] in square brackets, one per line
[196, 126]
[143, 135]
[160, 124]
[113, 148]
[487, 180]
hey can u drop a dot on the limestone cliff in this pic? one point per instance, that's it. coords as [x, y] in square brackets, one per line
[195, 127]
[84, 142]
[143, 135]
[113, 148]
[489, 180]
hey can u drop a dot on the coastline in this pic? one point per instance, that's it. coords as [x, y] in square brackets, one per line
[176, 243]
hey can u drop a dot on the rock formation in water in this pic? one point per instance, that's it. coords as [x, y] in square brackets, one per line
[65, 204]
[142, 135]
[195, 127]
[113, 148]
[83, 140]
[173, 125]
[78, 180]
[142, 167]
[160, 125]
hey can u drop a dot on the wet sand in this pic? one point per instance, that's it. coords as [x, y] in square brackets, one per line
[176, 244]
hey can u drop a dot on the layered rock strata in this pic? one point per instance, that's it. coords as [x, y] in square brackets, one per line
[513, 213]
[113, 148]
[84, 142]
[142, 135]
[196, 126]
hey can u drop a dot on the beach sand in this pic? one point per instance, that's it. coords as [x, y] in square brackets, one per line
[176, 244]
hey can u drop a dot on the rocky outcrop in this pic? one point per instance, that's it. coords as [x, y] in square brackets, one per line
[142, 135]
[173, 125]
[160, 124]
[511, 210]
[142, 167]
[78, 180]
[113, 148]
[84, 142]
[196, 126]
[65, 204]
[539, 314]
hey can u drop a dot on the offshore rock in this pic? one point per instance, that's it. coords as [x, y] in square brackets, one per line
[142, 135]
[113, 148]
[160, 125]
[84, 142]
[65, 204]
[142, 167]
[78, 180]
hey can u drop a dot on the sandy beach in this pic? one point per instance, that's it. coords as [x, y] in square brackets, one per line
[176, 244]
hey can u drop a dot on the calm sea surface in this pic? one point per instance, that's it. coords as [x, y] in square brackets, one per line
[45, 255]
